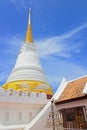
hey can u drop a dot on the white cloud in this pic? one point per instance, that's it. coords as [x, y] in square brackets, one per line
[11, 44]
[75, 31]
[3, 77]
[57, 69]
[63, 46]
[19, 3]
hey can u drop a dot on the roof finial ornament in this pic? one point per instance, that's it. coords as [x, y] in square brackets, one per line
[29, 21]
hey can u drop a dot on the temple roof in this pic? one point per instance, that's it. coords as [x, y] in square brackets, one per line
[73, 90]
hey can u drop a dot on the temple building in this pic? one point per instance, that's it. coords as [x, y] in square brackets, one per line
[72, 104]
[27, 101]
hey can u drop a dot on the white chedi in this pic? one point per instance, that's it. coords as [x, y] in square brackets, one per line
[27, 66]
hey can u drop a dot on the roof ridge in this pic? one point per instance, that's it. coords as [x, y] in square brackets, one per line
[77, 78]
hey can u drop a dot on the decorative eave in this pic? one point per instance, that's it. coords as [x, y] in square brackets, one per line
[71, 100]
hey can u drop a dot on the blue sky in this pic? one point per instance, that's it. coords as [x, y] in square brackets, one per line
[59, 31]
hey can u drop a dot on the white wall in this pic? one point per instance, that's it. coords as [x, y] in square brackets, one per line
[39, 122]
[10, 112]
[72, 104]
[19, 110]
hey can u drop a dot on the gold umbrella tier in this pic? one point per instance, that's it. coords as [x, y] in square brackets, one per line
[33, 86]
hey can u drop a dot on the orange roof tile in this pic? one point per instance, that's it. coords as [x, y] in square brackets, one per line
[73, 90]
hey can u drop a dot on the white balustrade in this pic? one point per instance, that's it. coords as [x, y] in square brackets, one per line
[19, 96]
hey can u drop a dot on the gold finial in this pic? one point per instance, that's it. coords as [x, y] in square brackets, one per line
[29, 38]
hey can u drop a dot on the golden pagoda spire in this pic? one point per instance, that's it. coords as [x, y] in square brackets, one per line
[29, 38]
